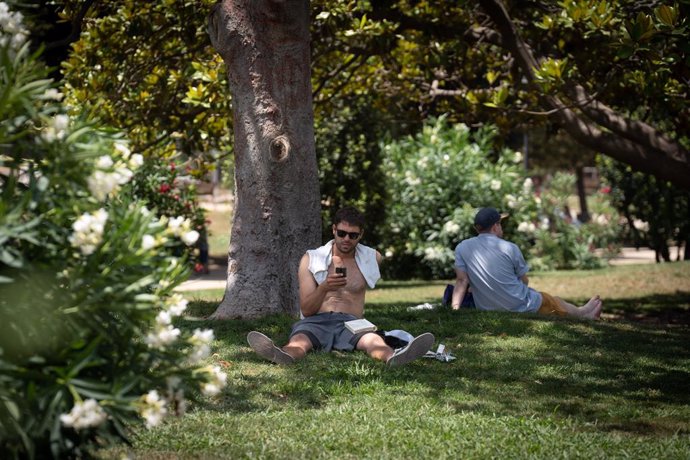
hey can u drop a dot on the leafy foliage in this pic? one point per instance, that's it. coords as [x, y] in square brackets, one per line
[170, 95]
[656, 213]
[88, 348]
[562, 242]
[169, 190]
[437, 180]
[440, 177]
[350, 166]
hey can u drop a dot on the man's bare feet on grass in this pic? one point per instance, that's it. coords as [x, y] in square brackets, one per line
[592, 309]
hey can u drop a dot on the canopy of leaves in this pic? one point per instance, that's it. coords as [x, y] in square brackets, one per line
[430, 58]
[148, 68]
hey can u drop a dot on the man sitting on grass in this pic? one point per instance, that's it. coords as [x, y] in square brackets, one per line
[497, 273]
[332, 284]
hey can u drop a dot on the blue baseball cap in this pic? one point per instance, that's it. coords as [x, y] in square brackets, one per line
[486, 217]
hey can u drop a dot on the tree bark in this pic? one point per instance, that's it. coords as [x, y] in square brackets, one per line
[265, 46]
[581, 194]
[596, 126]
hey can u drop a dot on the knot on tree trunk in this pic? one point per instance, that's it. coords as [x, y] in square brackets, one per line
[279, 149]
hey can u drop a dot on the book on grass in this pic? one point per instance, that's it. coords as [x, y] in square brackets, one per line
[357, 326]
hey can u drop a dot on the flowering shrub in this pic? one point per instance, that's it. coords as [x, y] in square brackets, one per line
[437, 180]
[159, 185]
[560, 241]
[89, 347]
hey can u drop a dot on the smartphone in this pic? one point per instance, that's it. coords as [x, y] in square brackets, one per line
[341, 270]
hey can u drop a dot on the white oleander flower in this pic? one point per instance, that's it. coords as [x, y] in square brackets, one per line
[122, 149]
[545, 223]
[88, 231]
[518, 157]
[104, 162]
[495, 184]
[176, 304]
[202, 336]
[218, 381]
[12, 31]
[527, 185]
[512, 201]
[433, 253]
[162, 336]
[526, 227]
[190, 237]
[641, 225]
[201, 341]
[56, 129]
[52, 93]
[102, 184]
[148, 242]
[136, 160]
[163, 318]
[87, 414]
[123, 175]
[177, 224]
[411, 179]
[451, 227]
[153, 410]
[601, 219]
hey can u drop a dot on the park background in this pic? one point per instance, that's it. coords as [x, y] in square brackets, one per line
[418, 125]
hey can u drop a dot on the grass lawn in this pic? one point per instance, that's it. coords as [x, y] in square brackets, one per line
[522, 386]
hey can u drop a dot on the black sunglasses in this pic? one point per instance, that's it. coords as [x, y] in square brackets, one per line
[342, 233]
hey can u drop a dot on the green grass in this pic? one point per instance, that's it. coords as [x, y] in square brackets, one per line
[522, 386]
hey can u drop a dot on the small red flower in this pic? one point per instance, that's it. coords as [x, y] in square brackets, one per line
[164, 188]
[172, 166]
[199, 267]
[605, 189]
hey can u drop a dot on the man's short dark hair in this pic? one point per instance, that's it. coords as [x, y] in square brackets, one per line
[351, 215]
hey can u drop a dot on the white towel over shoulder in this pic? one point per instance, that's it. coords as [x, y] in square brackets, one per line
[365, 257]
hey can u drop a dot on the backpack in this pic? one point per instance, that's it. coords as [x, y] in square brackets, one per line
[467, 301]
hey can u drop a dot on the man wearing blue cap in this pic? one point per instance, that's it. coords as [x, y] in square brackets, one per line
[497, 272]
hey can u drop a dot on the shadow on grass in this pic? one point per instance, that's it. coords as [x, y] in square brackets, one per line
[658, 309]
[620, 374]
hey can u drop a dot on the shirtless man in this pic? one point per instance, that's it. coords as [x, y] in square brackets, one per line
[330, 297]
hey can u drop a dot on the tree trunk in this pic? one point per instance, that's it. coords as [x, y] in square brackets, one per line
[582, 194]
[265, 46]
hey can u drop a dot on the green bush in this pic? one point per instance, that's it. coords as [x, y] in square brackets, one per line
[437, 180]
[560, 242]
[656, 213]
[168, 188]
[89, 347]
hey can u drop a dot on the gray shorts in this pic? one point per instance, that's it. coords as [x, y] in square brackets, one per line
[327, 331]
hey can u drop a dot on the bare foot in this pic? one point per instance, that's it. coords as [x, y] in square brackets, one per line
[592, 309]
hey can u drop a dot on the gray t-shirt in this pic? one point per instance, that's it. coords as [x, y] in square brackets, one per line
[494, 267]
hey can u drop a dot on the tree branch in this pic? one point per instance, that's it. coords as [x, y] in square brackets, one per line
[668, 164]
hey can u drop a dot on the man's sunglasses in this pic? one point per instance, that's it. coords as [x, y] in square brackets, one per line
[352, 235]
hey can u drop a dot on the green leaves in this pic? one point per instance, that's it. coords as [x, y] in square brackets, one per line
[640, 30]
[85, 277]
[667, 15]
[437, 179]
